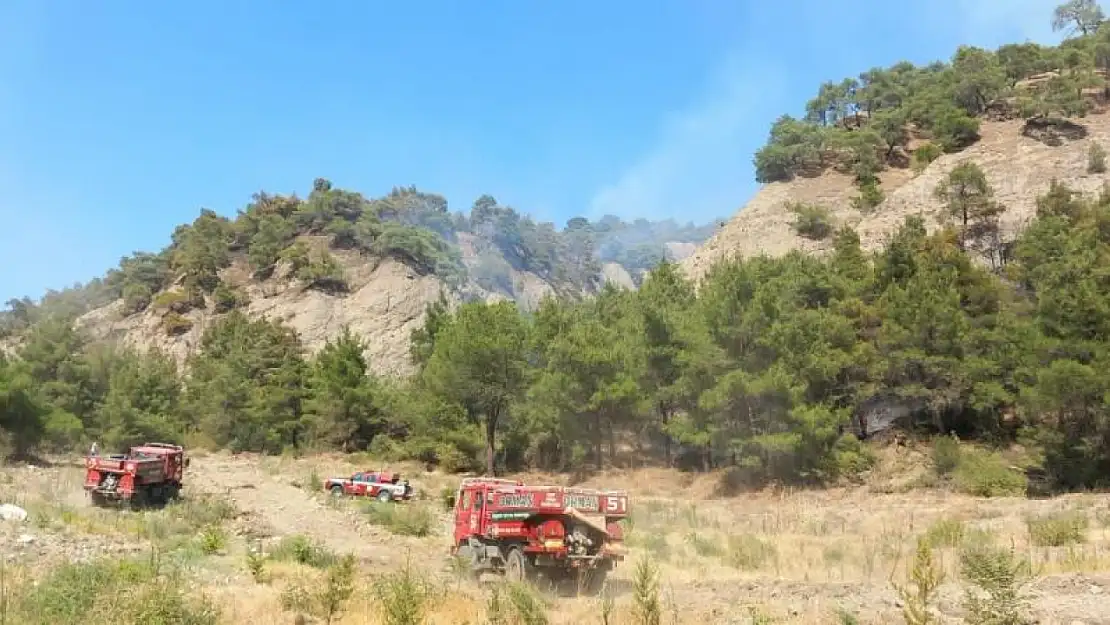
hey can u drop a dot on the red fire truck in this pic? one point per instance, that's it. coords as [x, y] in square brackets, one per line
[523, 532]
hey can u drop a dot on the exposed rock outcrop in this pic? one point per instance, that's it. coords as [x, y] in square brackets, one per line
[1019, 167]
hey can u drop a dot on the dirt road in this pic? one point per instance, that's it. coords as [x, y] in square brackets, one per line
[274, 505]
[797, 589]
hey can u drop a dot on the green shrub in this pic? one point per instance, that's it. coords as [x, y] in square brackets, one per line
[136, 297]
[955, 129]
[998, 578]
[986, 474]
[447, 496]
[493, 273]
[1096, 159]
[946, 454]
[227, 298]
[303, 550]
[213, 540]
[811, 221]
[850, 457]
[451, 459]
[870, 196]
[527, 607]
[702, 545]
[184, 518]
[256, 563]
[945, 533]
[404, 597]
[647, 608]
[199, 511]
[179, 302]
[402, 519]
[338, 586]
[316, 268]
[924, 154]
[749, 552]
[176, 325]
[1058, 529]
[844, 617]
[421, 248]
[919, 597]
[108, 591]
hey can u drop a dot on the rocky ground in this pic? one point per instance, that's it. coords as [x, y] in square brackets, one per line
[804, 557]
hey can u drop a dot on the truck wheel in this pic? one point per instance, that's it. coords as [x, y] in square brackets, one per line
[517, 567]
[337, 490]
[138, 499]
[385, 496]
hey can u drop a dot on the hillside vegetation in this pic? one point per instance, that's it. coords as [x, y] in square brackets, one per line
[863, 125]
[761, 369]
[338, 258]
[871, 149]
[410, 225]
[767, 368]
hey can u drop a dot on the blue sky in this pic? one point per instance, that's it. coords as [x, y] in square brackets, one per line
[120, 120]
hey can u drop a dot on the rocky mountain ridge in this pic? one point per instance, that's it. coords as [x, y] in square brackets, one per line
[385, 302]
[1019, 158]
[338, 260]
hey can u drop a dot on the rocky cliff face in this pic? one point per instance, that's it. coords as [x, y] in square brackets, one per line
[385, 301]
[1019, 161]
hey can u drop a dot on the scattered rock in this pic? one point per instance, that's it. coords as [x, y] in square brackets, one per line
[9, 512]
[1052, 131]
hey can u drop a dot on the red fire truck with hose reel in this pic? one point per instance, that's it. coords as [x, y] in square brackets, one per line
[528, 532]
[147, 474]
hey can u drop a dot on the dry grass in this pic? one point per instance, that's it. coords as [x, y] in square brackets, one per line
[775, 557]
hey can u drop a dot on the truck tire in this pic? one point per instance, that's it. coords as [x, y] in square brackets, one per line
[337, 490]
[517, 567]
[385, 496]
[138, 499]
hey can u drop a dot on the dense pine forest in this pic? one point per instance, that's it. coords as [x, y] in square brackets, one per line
[766, 367]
